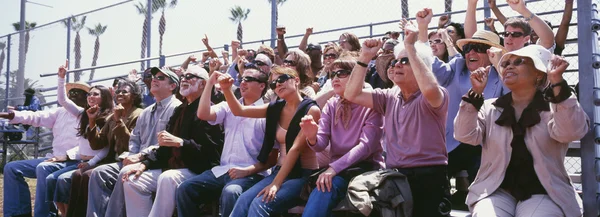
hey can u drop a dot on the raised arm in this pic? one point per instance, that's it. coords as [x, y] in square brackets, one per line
[471, 18]
[304, 41]
[537, 24]
[448, 42]
[63, 100]
[469, 124]
[423, 20]
[187, 62]
[501, 18]
[236, 107]
[354, 88]
[563, 29]
[281, 46]
[205, 112]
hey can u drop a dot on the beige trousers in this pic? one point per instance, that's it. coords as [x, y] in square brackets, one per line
[502, 204]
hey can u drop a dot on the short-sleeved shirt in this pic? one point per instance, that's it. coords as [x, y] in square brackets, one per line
[415, 132]
[243, 138]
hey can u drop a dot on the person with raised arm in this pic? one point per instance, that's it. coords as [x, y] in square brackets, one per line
[415, 114]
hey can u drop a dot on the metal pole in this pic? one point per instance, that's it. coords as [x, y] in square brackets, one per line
[273, 22]
[148, 34]
[161, 61]
[589, 155]
[7, 73]
[21, 71]
[486, 13]
[370, 30]
[69, 43]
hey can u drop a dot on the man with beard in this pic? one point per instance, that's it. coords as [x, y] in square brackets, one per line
[104, 180]
[189, 146]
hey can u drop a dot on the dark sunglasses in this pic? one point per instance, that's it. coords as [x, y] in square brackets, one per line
[252, 79]
[76, 92]
[513, 34]
[287, 62]
[93, 94]
[159, 77]
[259, 63]
[281, 79]
[516, 62]
[477, 47]
[188, 76]
[340, 74]
[435, 41]
[330, 56]
[403, 61]
[121, 92]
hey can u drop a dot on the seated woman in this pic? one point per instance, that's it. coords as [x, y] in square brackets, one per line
[279, 191]
[353, 133]
[299, 62]
[524, 136]
[100, 104]
[114, 136]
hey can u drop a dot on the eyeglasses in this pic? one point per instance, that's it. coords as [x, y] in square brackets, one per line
[259, 63]
[403, 61]
[435, 41]
[330, 56]
[450, 31]
[516, 62]
[340, 74]
[251, 79]
[76, 92]
[93, 94]
[281, 79]
[513, 34]
[188, 77]
[287, 62]
[121, 92]
[159, 77]
[342, 41]
[477, 47]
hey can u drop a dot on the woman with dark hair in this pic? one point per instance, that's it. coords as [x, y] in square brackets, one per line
[442, 45]
[99, 105]
[349, 42]
[279, 191]
[300, 62]
[524, 136]
[112, 139]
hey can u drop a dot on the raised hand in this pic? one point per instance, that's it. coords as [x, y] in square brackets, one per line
[324, 180]
[489, 22]
[444, 19]
[235, 44]
[214, 78]
[518, 6]
[225, 81]
[309, 31]
[62, 70]
[558, 66]
[225, 54]
[410, 36]
[479, 79]
[214, 65]
[205, 41]
[492, 3]
[445, 36]
[118, 112]
[133, 75]
[405, 24]
[309, 128]
[370, 47]
[473, 2]
[241, 63]
[93, 111]
[280, 30]
[424, 16]
[494, 54]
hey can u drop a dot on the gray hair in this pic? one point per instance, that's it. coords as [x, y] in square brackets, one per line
[424, 52]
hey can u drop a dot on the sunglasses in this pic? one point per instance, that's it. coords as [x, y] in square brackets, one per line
[403, 61]
[287, 62]
[159, 77]
[188, 77]
[330, 56]
[516, 62]
[477, 47]
[121, 92]
[75, 93]
[450, 31]
[340, 74]
[251, 79]
[259, 63]
[93, 94]
[281, 79]
[435, 41]
[513, 34]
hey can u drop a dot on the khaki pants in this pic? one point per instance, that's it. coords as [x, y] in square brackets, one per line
[502, 204]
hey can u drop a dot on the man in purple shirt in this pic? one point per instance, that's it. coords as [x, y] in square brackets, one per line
[415, 118]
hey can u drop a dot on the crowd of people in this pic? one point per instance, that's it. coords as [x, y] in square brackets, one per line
[250, 133]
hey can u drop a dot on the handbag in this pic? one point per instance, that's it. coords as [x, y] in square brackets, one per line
[310, 184]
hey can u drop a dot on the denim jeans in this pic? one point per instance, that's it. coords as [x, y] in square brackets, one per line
[321, 203]
[101, 185]
[204, 188]
[17, 198]
[52, 180]
[287, 197]
[63, 186]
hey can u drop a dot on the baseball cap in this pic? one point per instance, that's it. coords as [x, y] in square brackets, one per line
[313, 46]
[167, 72]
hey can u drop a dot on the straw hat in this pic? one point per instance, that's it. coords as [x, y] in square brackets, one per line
[482, 37]
[78, 85]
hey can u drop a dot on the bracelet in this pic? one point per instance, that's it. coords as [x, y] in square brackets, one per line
[558, 84]
[308, 142]
[530, 17]
[361, 64]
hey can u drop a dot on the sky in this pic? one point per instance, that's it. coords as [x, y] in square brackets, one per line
[188, 22]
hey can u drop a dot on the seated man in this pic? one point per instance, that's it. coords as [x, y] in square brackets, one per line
[17, 200]
[104, 180]
[415, 119]
[188, 147]
[239, 168]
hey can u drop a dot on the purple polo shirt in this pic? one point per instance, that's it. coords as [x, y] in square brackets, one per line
[359, 143]
[415, 132]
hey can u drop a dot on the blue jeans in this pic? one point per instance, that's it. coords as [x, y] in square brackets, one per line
[287, 197]
[102, 183]
[52, 179]
[17, 198]
[321, 203]
[63, 186]
[204, 188]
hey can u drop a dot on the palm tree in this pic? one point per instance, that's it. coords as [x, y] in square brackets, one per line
[162, 24]
[21, 71]
[142, 10]
[96, 31]
[237, 16]
[77, 25]
[2, 56]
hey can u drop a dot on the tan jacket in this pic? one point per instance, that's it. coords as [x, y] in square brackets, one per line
[547, 141]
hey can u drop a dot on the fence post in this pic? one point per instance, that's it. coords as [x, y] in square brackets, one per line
[69, 44]
[486, 13]
[161, 61]
[149, 33]
[587, 81]
[370, 30]
[7, 72]
[273, 23]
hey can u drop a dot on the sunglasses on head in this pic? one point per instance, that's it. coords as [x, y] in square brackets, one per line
[330, 56]
[188, 76]
[403, 61]
[251, 79]
[516, 62]
[340, 74]
[435, 41]
[281, 79]
[513, 34]
[287, 62]
[159, 77]
[477, 47]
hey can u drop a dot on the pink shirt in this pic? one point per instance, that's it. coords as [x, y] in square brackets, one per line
[415, 132]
